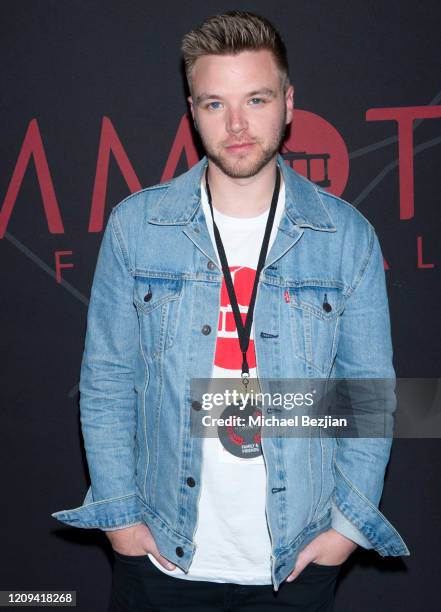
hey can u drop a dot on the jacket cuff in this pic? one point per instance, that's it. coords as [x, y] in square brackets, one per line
[344, 526]
[107, 514]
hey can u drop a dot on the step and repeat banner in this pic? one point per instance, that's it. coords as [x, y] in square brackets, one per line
[93, 108]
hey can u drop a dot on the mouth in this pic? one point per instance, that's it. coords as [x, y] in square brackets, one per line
[240, 147]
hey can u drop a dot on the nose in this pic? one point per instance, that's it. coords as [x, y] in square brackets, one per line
[236, 121]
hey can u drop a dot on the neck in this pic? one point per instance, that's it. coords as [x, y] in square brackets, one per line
[242, 197]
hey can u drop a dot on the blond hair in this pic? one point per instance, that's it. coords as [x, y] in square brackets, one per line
[231, 33]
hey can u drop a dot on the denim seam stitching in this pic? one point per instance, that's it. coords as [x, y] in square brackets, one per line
[117, 232]
[367, 501]
[365, 264]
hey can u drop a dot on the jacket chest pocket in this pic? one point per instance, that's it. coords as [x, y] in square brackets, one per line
[315, 314]
[157, 301]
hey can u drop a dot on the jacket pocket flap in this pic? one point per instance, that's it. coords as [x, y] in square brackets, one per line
[149, 293]
[322, 301]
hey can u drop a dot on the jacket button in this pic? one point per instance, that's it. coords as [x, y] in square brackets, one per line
[211, 265]
[196, 405]
[206, 329]
[180, 551]
[327, 307]
[191, 481]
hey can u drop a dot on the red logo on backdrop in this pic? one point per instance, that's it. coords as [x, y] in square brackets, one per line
[228, 355]
[316, 150]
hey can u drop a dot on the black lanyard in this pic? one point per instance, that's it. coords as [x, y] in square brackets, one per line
[244, 331]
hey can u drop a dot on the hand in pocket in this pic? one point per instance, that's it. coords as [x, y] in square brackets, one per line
[137, 540]
[330, 548]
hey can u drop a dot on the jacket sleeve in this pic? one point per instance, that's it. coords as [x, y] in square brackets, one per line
[365, 352]
[107, 393]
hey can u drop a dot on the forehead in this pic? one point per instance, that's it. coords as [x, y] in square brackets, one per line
[243, 70]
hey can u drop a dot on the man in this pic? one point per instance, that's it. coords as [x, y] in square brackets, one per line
[292, 278]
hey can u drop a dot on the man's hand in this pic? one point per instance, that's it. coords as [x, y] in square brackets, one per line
[137, 540]
[328, 548]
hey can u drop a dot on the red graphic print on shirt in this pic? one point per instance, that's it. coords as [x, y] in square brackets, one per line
[228, 354]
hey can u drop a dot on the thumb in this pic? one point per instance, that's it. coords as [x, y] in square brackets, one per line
[302, 562]
[163, 561]
[151, 547]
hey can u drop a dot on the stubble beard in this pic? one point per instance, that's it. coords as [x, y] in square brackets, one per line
[239, 169]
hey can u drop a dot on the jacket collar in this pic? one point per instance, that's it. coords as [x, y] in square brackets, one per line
[182, 196]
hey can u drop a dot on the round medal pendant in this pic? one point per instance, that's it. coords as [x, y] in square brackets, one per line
[241, 432]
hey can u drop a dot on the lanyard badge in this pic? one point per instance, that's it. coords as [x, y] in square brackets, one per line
[244, 330]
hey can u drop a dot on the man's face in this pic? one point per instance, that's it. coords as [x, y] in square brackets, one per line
[240, 109]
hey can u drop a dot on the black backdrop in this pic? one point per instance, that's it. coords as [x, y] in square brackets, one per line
[75, 72]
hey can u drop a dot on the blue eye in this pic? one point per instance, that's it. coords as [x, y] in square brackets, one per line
[256, 101]
[214, 105]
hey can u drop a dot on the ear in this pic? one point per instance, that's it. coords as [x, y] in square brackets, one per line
[190, 101]
[289, 101]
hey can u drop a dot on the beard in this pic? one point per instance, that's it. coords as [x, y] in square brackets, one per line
[241, 167]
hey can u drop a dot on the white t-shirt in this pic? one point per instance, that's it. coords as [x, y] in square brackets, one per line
[232, 539]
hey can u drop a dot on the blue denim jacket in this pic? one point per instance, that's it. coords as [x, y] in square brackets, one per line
[141, 355]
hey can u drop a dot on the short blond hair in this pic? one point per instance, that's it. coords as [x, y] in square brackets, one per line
[231, 33]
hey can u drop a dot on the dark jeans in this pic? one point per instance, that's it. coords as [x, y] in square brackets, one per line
[139, 586]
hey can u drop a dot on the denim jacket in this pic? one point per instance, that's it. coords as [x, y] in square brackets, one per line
[151, 325]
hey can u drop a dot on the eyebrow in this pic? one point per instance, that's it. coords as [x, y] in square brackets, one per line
[265, 91]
